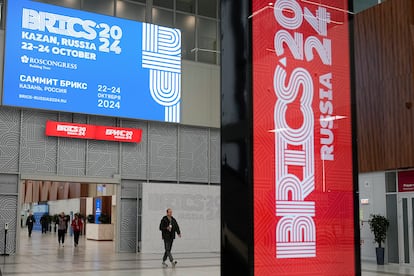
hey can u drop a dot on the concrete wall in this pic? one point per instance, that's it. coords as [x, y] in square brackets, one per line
[200, 94]
[196, 209]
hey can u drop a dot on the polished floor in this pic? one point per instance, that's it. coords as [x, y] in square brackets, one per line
[41, 255]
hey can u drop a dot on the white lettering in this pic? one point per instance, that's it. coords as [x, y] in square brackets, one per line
[326, 119]
[39, 37]
[55, 89]
[295, 231]
[78, 44]
[73, 53]
[119, 133]
[294, 143]
[58, 24]
[72, 130]
[38, 80]
[73, 84]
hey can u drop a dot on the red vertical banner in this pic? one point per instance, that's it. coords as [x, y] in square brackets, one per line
[303, 171]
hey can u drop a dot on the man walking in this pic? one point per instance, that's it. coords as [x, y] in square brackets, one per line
[168, 228]
[29, 222]
[62, 227]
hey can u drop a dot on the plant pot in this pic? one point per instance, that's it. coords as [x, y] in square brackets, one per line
[380, 255]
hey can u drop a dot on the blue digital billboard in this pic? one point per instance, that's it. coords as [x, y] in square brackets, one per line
[69, 60]
[98, 209]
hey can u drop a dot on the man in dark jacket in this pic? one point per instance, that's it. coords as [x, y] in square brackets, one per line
[44, 221]
[169, 227]
[29, 222]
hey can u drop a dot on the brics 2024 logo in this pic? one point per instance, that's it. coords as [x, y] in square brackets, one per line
[161, 54]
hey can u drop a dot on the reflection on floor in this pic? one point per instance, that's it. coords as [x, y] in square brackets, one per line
[41, 255]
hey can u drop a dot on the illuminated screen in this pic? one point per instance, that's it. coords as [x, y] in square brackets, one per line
[69, 60]
[98, 209]
[303, 171]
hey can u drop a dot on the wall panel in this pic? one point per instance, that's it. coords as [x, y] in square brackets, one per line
[196, 208]
[384, 53]
[37, 152]
[129, 215]
[215, 156]
[9, 139]
[72, 156]
[200, 94]
[193, 154]
[103, 158]
[8, 207]
[129, 225]
[163, 151]
[134, 156]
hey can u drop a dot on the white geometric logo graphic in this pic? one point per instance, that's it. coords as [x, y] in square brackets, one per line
[24, 59]
[161, 53]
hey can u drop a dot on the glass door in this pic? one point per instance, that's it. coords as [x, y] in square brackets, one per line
[405, 227]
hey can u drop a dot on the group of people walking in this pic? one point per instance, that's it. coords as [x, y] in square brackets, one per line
[62, 224]
[168, 227]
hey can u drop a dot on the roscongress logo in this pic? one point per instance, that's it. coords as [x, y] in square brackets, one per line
[47, 64]
[24, 59]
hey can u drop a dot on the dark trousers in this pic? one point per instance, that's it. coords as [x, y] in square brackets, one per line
[168, 245]
[61, 236]
[30, 228]
[76, 237]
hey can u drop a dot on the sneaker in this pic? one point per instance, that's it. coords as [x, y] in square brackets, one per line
[174, 263]
[164, 264]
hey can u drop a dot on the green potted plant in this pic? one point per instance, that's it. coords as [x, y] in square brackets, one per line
[379, 225]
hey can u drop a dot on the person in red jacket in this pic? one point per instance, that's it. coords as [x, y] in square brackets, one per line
[77, 227]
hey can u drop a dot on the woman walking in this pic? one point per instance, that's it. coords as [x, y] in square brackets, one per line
[77, 226]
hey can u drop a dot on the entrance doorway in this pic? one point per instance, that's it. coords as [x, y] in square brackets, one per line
[405, 227]
[46, 198]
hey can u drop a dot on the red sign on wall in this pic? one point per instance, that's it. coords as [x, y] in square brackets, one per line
[303, 171]
[64, 129]
[84, 131]
[406, 181]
